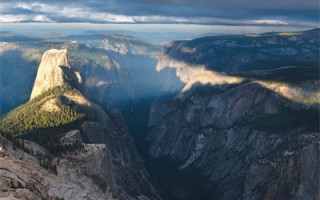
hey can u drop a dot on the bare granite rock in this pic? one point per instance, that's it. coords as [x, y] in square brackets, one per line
[71, 137]
[54, 70]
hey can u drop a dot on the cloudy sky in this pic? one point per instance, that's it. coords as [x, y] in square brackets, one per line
[208, 12]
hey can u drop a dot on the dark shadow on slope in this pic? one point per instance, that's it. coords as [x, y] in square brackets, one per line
[49, 138]
[284, 120]
[189, 184]
[71, 77]
[289, 75]
[288, 119]
[174, 183]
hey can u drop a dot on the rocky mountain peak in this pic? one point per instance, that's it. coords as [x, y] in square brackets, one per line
[103, 165]
[54, 70]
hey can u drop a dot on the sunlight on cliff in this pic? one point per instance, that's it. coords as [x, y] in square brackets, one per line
[307, 92]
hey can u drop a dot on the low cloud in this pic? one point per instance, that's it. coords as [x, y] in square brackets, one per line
[211, 12]
[23, 18]
[270, 22]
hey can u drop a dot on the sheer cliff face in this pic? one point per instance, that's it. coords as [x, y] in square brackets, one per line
[248, 142]
[50, 72]
[107, 167]
[247, 133]
[54, 70]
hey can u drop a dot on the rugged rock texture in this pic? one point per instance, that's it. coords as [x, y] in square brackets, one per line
[84, 174]
[23, 178]
[108, 167]
[71, 136]
[240, 133]
[309, 184]
[249, 141]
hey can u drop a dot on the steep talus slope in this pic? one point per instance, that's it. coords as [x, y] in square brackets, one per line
[239, 133]
[97, 161]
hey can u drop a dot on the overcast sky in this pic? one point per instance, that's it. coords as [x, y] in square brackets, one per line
[210, 12]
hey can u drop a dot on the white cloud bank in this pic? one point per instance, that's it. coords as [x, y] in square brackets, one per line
[42, 12]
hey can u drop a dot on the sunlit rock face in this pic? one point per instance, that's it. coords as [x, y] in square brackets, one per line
[53, 71]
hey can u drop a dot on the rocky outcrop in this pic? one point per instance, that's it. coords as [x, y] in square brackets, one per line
[71, 137]
[294, 178]
[85, 174]
[101, 170]
[309, 186]
[122, 169]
